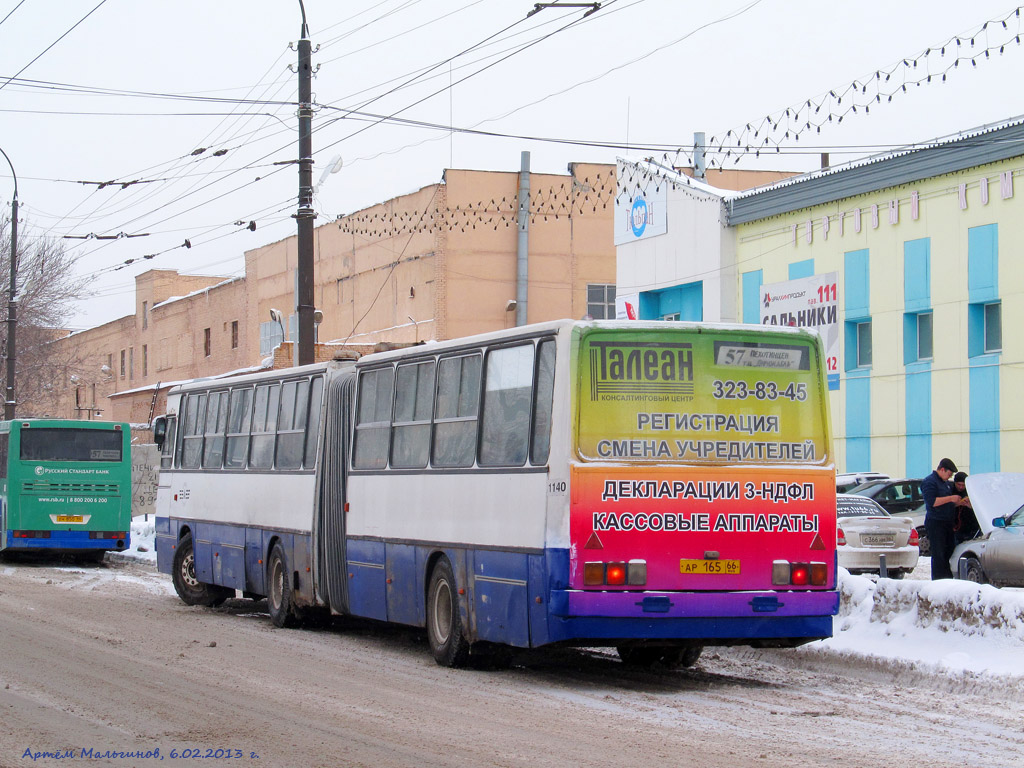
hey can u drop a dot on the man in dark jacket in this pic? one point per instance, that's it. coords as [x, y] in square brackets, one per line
[940, 503]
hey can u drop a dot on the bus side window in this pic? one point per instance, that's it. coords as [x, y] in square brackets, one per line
[455, 419]
[508, 388]
[414, 402]
[216, 418]
[239, 418]
[313, 426]
[192, 434]
[4, 443]
[545, 385]
[373, 419]
[167, 452]
[291, 427]
[264, 426]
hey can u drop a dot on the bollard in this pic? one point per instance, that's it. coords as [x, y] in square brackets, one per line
[883, 572]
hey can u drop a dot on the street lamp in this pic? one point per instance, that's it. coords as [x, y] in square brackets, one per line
[12, 301]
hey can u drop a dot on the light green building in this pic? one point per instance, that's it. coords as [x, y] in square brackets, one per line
[923, 247]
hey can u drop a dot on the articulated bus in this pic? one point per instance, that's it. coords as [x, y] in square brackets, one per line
[66, 487]
[653, 487]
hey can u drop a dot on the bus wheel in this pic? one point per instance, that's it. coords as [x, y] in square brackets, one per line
[687, 656]
[183, 573]
[279, 589]
[444, 624]
[671, 657]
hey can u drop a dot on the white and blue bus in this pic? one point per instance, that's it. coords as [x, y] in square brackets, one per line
[654, 487]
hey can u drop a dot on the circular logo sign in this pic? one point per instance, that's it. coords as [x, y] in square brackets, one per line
[39, 470]
[638, 217]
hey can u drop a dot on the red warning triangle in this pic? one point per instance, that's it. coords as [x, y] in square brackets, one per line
[594, 542]
[817, 543]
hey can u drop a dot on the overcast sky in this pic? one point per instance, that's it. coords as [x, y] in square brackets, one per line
[642, 73]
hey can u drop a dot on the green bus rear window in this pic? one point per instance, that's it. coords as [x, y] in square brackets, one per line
[71, 445]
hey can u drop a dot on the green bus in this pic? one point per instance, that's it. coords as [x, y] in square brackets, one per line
[65, 487]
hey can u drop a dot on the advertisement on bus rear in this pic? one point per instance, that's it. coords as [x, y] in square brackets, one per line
[705, 453]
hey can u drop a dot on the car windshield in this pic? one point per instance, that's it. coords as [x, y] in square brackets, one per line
[1017, 518]
[859, 507]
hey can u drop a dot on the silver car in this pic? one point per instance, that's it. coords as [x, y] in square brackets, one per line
[866, 531]
[996, 555]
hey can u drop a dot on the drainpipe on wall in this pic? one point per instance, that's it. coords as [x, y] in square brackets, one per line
[523, 242]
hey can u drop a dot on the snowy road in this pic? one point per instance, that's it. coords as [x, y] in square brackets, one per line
[107, 658]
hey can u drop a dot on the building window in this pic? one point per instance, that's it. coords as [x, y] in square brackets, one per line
[925, 349]
[145, 360]
[234, 334]
[206, 342]
[670, 316]
[918, 337]
[993, 328]
[131, 362]
[123, 358]
[864, 344]
[601, 302]
[145, 315]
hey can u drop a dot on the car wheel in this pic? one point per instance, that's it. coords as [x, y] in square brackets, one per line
[447, 640]
[975, 572]
[188, 586]
[923, 546]
[280, 603]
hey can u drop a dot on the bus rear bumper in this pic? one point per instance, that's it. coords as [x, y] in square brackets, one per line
[66, 540]
[738, 617]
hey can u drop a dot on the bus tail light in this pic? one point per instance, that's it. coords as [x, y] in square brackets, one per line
[30, 534]
[840, 538]
[615, 574]
[785, 573]
[915, 538]
[107, 534]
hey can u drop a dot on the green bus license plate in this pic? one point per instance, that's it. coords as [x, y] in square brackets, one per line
[730, 567]
[69, 519]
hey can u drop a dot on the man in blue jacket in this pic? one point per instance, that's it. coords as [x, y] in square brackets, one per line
[940, 502]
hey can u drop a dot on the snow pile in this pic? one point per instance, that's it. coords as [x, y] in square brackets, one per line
[951, 624]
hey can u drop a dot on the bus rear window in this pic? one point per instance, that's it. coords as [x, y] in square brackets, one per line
[71, 445]
[701, 396]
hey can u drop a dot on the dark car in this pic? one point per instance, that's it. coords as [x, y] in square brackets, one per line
[894, 496]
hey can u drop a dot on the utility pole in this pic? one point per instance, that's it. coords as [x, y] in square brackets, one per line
[304, 300]
[12, 300]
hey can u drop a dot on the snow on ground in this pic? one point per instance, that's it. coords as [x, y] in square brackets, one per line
[950, 625]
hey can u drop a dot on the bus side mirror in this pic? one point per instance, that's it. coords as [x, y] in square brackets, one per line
[160, 431]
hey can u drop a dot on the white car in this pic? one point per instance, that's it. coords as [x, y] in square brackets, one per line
[996, 555]
[866, 531]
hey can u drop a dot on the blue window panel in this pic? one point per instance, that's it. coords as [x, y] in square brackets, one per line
[984, 414]
[850, 356]
[752, 282]
[855, 282]
[800, 269]
[918, 407]
[983, 264]
[686, 300]
[909, 338]
[917, 275]
[858, 422]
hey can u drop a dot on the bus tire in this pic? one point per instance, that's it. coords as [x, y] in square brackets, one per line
[186, 584]
[447, 640]
[669, 657]
[280, 603]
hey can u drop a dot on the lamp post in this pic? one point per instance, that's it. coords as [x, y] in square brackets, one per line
[304, 309]
[12, 301]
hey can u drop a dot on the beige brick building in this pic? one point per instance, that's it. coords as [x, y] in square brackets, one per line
[438, 263]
